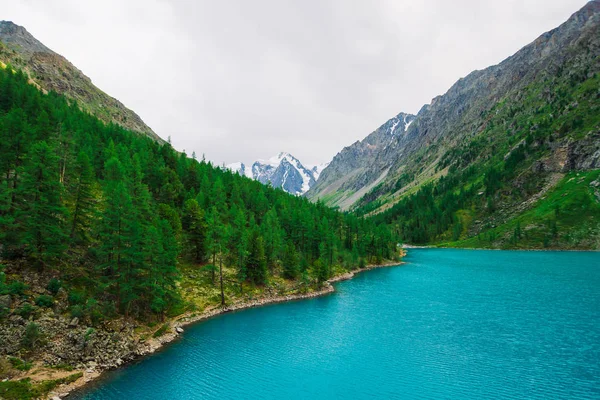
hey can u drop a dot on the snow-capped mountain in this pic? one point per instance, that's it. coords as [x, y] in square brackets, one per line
[281, 171]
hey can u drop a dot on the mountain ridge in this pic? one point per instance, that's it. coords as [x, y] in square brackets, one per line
[282, 171]
[53, 72]
[349, 163]
[424, 131]
[497, 139]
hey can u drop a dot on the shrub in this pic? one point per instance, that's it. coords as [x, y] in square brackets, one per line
[77, 312]
[44, 301]
[32, 336]
[17, 288]
[76, 297]
[26, 310]
[54, 286]
[88, 333]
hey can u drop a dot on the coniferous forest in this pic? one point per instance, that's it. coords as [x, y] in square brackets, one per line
[113, 216]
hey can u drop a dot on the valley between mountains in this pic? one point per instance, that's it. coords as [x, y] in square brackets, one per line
[110, 237]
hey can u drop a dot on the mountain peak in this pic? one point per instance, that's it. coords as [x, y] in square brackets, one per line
[20, 39]
[281, 171]
[52, 72]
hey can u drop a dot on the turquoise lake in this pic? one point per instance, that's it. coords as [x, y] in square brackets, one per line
[448, 324]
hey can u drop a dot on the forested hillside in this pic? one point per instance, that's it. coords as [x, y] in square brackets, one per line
[529, 179]
[112, 217]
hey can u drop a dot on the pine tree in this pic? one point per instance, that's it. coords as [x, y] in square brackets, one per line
[84, 202]
[291, 259]
[214, 238]
[195, 228]
[273, 237]
[256, 263]
[116, 229]
[41, 206]
[161, 256]
[238, 243]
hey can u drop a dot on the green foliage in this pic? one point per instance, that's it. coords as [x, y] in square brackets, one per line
[43, 212]
[566, 217]
[161, 331]
[32, 336]
[489, 173]
[76, 297]
[19, 364]
[88, 334]
[54, 286]
[63, 366]
[256, 263]
[290, 261]
[112, 213]
[26, 310]
[77, 311]
[321, 271]
[17, 288]
[27, 390]
[44, 300]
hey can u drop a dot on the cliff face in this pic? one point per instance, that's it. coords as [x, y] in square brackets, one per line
[53, 72]
[450, 121]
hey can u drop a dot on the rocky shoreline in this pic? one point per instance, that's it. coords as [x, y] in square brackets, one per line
[94, 370]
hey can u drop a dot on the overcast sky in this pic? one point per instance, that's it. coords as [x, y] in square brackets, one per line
[245, 79]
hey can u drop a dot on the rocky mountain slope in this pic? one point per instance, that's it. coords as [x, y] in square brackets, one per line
[352, 173]
[505, 137]
[281, 171]
[51, 71]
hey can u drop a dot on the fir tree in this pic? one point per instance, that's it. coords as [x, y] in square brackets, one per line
[195, 228]
[256, 263]
[41, 206]
[84, 202]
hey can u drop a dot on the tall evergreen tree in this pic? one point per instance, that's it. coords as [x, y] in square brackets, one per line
[195, 228]
[84, 202]
[116, 229]
[41, 206]
[291, 260]
[256, 263]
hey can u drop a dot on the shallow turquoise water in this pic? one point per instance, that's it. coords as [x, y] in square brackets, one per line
[450, 324]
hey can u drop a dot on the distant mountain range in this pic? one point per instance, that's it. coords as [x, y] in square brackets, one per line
[281, 171]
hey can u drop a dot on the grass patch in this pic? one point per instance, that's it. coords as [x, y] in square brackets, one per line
[19, 364]
[27, 390]
[161, 331]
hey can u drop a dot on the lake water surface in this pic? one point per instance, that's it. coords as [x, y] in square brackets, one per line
[449, 324]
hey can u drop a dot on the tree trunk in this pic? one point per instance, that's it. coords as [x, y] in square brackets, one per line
[221, 278]
[213, 267]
